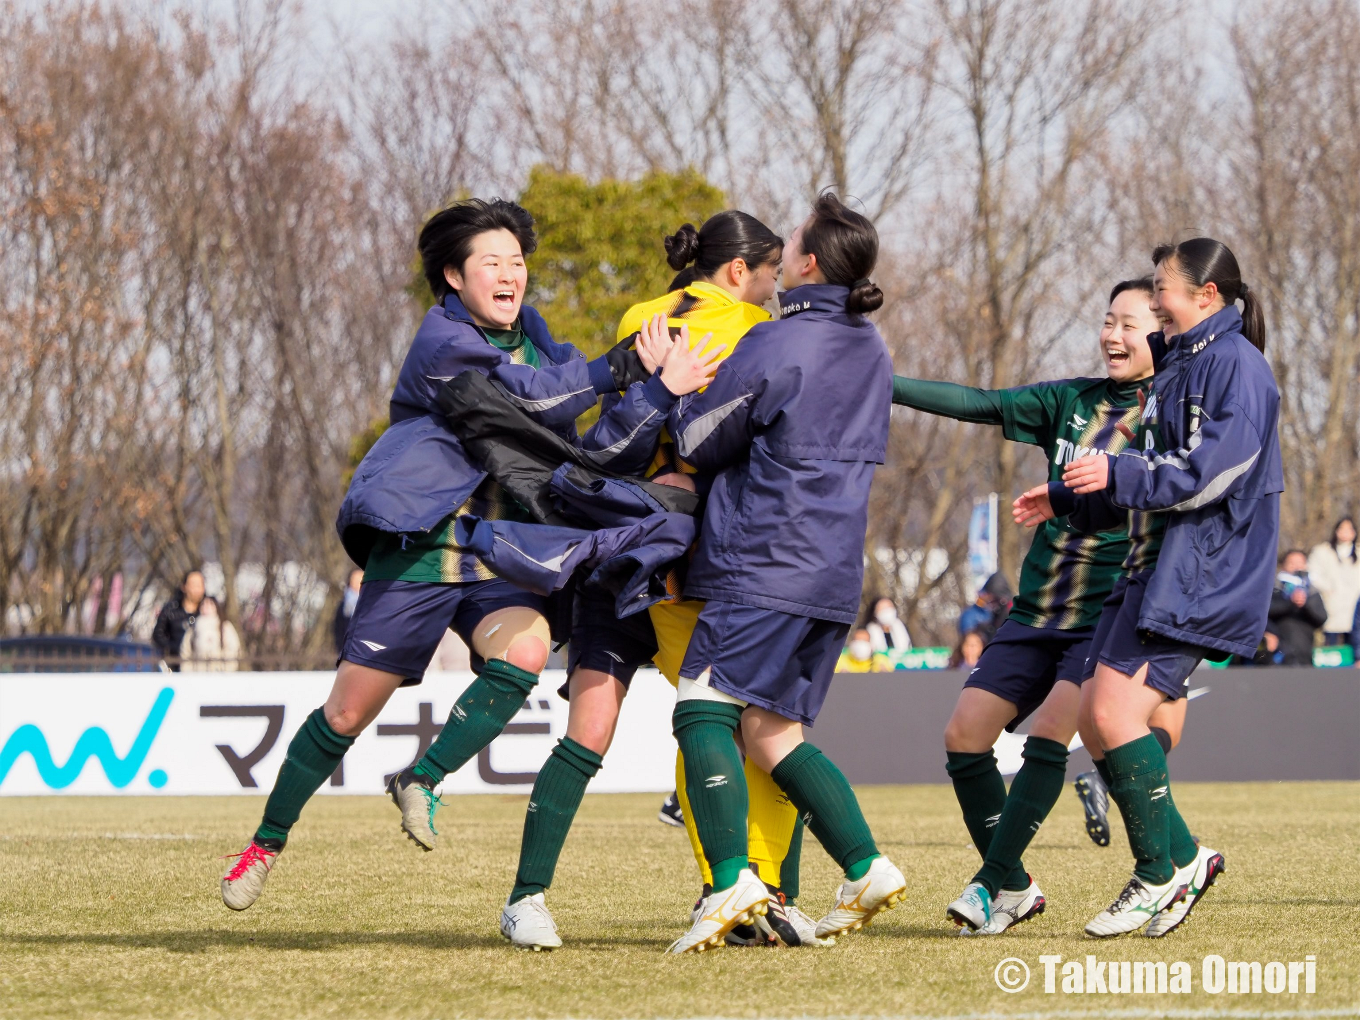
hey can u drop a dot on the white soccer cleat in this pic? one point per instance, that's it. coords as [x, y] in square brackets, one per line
[244, 880]
[1011, 907]
[806, 927]
[1198, 875]
[973, 909]
[857, 903]
[722, 911]
[528, 925]
[418, 804]
[1137, 904]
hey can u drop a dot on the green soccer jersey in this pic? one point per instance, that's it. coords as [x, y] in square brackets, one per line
[1066, 575]
[434, 556]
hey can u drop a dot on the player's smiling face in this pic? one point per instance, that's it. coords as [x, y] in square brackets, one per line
[1123, 338]
[492, 281]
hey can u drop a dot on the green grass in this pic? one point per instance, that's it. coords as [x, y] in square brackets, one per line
[109, 908]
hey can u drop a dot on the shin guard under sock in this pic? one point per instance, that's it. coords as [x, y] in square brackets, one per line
[312, 756]
[771, 817]
[478, 716]
[827, 805]
[1034, 791]
[553, 804]
[714, 783]
[691, 830]
[1141, 789]
[981, 793]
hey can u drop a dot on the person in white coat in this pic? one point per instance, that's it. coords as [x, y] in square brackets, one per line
[1334, 571]
[887, 633]
[212, 644]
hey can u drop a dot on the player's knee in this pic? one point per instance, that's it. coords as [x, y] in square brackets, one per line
[346, 721]
[960, 737]
[592, 734]
[528, 653]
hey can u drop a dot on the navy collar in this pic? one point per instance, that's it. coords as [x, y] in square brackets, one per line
[828, 298]
[1224, 321]
[455, 309]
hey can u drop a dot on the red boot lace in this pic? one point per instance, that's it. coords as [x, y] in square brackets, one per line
[253, 854]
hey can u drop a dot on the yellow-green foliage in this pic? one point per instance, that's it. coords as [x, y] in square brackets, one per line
[600, 247]
[362, 443]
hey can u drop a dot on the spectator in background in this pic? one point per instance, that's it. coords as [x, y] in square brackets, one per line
[887, 633]
[1296, 610]
[1334, 572]
[177, 617]
[985, 615]
[858, 656]
[967, 652]
[345, 610]
[211, 645]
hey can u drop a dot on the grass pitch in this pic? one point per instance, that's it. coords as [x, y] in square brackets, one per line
[109, 908]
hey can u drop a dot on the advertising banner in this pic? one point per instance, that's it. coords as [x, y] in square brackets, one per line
[226, 733]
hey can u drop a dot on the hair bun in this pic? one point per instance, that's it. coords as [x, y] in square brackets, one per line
[864, 297]
[682, 247]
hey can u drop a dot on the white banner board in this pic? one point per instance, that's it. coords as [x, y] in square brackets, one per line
[226, 733]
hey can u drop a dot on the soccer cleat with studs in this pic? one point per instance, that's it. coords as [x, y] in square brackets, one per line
[1011, 907]
[858, 903]
[1137, 904]
[972, 911]
[1095, 801]
[720, 912]
[528, 924]
[1198, 875]
[418, 803]
[244, 880]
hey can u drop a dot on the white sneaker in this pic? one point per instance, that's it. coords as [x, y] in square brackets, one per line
[882, 888]
[244, 880]
[806, 927]
[973, 909]
[1137, 904]
[1012, 906]
[418, 804]
[528, 925]
[1198, 875]
[723, 911]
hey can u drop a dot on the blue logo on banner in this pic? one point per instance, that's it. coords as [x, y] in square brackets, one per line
[93, 743]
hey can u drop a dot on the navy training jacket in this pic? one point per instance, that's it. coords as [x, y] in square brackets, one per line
[790, 429]
[418, 472]
[1219, 483]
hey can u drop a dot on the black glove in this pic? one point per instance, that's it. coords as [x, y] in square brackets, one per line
[625, 364]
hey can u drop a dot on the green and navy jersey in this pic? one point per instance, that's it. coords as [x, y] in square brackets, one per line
[434, 557]
[1066, 575]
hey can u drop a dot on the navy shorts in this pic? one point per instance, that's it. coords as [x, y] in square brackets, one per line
[1121, 645]
[397, 625]
[602, 642]
[773, 660]
[1022, 663]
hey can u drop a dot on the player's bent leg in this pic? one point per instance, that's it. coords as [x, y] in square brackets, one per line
[1093, 788]
[513, 642]
[977, 721]
[1167, 722]
[314, 753]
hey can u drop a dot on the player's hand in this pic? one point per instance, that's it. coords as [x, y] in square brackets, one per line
[675, 479]
[1032, 508]
[654, 342]
[1089, 474]
[686, 369]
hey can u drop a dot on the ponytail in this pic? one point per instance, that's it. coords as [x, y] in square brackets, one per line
[846, 246]
[725, 236]
[1201, 261]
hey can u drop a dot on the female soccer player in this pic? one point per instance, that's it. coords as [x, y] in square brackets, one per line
[790, 430]
[1210, 474]
[1035, 662]
[396, 520]
[727, 270]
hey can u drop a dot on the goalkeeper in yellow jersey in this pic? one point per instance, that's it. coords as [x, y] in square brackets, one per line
[727, 269]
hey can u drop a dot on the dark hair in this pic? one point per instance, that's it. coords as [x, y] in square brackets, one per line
[683, 279]
[1143, 283]
[1291, 552]
[192, 570]
[446, 238]
[846, 246]
[1332, 541]
[731, 234]
[1201, 261]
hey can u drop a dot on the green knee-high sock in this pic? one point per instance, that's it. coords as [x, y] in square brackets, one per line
[1034, 791]
[313, 754]
[478, 717]
[1184, 849]
[789, 870]
[557, 794]
[828, 807]
[1141, 789]
[981, 793]
[716, 783]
